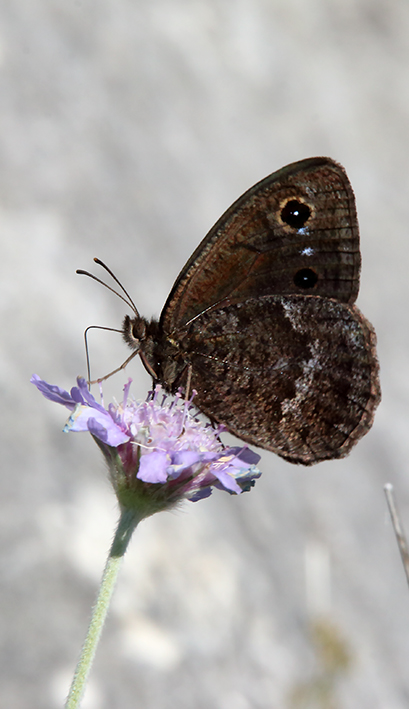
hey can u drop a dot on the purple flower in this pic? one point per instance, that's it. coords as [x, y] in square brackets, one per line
[157, 453]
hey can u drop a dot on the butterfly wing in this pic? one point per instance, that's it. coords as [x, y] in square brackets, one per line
[262, 317]
[297, 375]
[295, 232]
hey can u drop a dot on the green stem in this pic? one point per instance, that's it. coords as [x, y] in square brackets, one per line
[126, 526]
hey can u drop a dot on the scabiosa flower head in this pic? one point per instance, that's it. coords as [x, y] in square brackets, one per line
[158, 452]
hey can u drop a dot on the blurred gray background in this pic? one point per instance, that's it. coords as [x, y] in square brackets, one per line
[127, 127]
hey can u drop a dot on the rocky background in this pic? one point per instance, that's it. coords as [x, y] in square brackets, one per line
[126, 128]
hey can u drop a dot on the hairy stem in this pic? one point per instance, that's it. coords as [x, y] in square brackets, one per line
[126, 526]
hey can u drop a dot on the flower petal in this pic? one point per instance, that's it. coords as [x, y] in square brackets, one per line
[244, 455]
[199, 494]
[107, 431]
[82, 395]
[153, 467]
[181, 460]
[227, 480]
[99, 423]
[53, 392]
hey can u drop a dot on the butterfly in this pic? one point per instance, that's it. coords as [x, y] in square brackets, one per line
[261, 320]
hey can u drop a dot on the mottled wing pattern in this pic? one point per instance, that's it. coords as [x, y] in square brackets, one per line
[297, 375]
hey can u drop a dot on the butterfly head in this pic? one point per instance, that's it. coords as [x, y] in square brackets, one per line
[142, 337]
[134, 331]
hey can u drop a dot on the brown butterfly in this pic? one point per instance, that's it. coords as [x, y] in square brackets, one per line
[261, 320]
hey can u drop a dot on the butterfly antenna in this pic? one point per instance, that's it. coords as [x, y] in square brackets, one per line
[129, 302]
[98, 280]
[108, 270]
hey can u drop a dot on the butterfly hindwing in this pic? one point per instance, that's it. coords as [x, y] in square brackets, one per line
[259, 370]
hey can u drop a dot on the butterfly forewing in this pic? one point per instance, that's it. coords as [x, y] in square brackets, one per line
[295, 232]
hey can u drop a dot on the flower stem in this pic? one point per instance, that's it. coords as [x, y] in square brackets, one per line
[126, 526]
